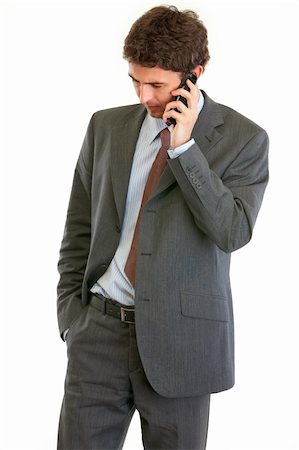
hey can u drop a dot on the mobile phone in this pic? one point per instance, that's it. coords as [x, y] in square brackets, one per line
[193, 78]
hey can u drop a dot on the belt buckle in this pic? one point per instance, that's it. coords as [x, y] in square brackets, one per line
[123, 314]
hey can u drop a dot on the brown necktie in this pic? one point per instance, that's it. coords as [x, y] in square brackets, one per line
[154, 175]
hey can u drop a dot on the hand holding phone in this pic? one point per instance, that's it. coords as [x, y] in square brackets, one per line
[192, 77]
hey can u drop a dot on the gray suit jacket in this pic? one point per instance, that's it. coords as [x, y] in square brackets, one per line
[203, 208]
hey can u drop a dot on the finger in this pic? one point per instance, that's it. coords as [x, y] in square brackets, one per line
[172, 113]
[191, 97]
[176, 104]
[194, 91]
[182, 92]
[178, 109]
[191, 87]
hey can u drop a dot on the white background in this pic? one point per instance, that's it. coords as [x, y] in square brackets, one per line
[60, 62]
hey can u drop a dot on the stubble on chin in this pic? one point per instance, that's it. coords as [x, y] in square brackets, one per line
[156, 114]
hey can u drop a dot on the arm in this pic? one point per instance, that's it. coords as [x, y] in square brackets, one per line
[225, 208]
[76, 239]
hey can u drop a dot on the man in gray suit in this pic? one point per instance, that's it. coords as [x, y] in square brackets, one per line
[163, 192]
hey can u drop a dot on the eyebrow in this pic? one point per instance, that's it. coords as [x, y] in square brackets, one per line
[152, 82]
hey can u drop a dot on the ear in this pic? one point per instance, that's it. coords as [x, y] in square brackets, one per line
[198, 70]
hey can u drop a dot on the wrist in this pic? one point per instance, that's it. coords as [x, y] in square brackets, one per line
[176, 143]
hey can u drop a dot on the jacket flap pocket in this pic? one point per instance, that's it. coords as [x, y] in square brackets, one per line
[204, 306]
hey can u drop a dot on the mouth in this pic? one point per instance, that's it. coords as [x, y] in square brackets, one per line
[152, 108]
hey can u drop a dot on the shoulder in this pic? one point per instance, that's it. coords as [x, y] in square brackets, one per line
[232, 120]
[236, 119]
[117, 117]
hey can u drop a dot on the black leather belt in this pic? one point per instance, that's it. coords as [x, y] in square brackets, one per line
[113, 308]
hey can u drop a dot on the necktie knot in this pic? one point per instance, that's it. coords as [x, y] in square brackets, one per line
[165, 138]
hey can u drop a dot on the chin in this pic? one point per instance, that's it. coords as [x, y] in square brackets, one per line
[155, 114]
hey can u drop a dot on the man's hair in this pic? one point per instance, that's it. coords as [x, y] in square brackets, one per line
[168, 38]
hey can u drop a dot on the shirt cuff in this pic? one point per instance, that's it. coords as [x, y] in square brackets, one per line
[175, 152]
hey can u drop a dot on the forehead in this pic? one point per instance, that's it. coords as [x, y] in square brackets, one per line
[152, 74]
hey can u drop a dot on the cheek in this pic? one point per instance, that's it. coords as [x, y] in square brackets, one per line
[166, 99]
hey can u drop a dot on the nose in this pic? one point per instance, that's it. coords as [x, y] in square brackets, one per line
[145, 93]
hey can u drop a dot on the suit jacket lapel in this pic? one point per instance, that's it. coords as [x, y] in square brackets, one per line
[123, 142]
[205, 133]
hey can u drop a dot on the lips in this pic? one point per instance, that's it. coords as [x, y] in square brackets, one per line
[152, 107]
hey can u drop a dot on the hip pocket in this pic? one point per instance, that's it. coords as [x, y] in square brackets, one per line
[204, 306]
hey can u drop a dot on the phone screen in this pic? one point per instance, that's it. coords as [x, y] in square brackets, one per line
[193, 78]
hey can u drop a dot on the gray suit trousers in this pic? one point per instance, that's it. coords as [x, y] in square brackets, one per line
[105, 383]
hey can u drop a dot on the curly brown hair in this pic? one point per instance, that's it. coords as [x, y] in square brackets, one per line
[168, 38]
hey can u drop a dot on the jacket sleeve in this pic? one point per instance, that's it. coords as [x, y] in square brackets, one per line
[75, 244]
[225, 208]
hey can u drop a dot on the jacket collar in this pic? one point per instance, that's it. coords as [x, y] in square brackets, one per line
[204, 132]
[124, 137]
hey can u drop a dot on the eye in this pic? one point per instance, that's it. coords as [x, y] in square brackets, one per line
[157, 86]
